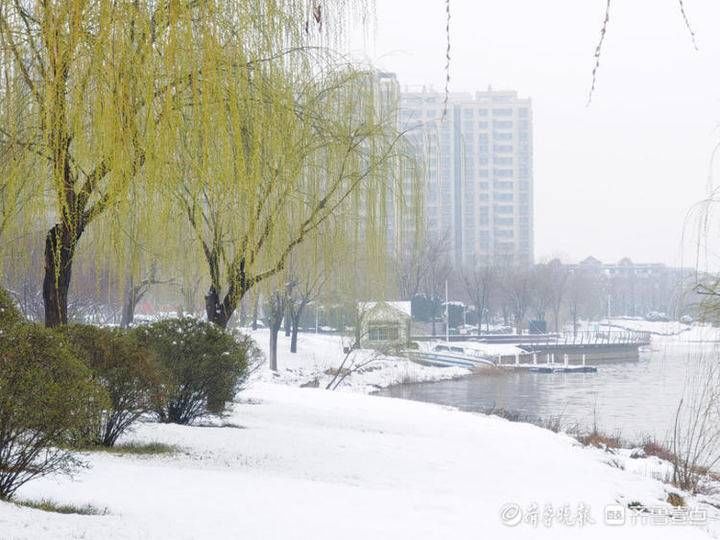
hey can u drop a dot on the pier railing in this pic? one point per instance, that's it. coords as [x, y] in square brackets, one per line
[593, 338]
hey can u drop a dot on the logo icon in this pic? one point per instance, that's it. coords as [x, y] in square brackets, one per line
[614, 514]
[511, 514]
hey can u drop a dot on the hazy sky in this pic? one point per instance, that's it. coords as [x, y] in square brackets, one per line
[613, 179]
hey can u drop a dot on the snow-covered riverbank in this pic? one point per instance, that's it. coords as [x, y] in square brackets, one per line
[320, 356]
[309, 463]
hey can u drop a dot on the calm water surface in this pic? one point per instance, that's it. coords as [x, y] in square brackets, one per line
[633, 399]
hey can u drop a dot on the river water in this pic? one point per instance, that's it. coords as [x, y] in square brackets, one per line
[631, 399]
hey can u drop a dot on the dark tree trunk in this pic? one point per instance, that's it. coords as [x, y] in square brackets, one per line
[128, 310]
[218, 311]
[59, 250]
[128, 313]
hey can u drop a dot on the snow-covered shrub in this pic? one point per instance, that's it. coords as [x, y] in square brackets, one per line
[46, 394]
[204, 365]
[127, 370]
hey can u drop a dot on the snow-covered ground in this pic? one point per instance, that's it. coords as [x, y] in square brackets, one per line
[319, 356]
[675, 332]
[310, 463]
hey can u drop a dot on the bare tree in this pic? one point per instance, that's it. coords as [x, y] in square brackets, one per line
[696, 432]
[276, 311]
[479, 283]
[135, 293]
[410, 267]
[558, 279]
[578, 285]
[549, 284]
[302, 291]
[518, 286]
[437, 273]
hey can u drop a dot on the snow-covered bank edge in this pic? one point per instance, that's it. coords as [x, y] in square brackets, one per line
[328, 465]
[321, 360]
[385, 371]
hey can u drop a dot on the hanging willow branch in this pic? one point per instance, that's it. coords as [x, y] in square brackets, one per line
[603, 30]
[687, 23]
[447, 59]
[106, 106]
[598, 51]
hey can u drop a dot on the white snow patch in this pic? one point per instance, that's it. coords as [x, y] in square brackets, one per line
[327, 465]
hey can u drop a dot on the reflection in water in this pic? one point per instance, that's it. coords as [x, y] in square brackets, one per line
[633, 399]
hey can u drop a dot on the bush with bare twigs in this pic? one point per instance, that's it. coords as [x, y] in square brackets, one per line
[46, 394]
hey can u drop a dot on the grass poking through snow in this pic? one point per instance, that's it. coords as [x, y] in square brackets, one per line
[47, 505]
[137, 449]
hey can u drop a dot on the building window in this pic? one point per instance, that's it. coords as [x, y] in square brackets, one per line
[502, 124]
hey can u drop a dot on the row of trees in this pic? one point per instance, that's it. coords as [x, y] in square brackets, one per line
[185, 139]
[551, 291]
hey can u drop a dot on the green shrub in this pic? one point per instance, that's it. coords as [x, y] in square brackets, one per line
[126, 369]
[9, 313]
[204, 365]
[46, 394]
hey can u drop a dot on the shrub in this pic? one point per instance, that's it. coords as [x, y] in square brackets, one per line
[46, 393]
[204, 365]
[125, 369]
[9, 313]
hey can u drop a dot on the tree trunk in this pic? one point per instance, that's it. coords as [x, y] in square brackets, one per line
[128, 310]
[295, 322]
[294, 334]
[287, 322]
[128, 313]
[575, 323]
[274, 331]
[59, 250]
[216, 310]
[256, 305]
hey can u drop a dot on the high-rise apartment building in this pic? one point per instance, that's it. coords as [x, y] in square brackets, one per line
[478, 172]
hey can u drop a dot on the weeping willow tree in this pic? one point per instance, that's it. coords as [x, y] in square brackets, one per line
[95, 95]
[292, 152]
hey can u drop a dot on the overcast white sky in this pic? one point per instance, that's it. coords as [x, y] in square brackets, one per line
[614, 179]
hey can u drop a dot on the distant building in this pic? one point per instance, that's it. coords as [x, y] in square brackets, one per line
[636, 289]
[384, 324]
[478, 173]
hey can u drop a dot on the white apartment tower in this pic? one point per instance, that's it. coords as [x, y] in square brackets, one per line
[478, 172]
